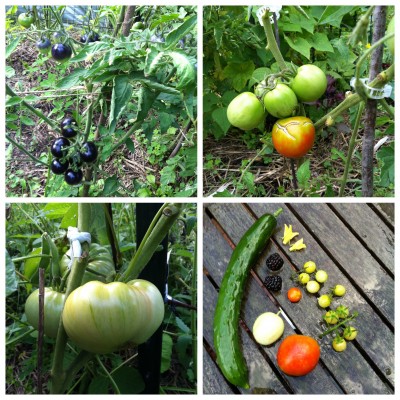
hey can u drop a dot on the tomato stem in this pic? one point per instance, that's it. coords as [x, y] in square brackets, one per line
[337, 326]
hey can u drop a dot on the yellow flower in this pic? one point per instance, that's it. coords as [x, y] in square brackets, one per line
[298, 245]
[368, 45]
[288, 234]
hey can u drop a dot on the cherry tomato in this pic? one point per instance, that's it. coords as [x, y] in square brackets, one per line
[88, 152]
[310, 83]
[304, 278]
[312, 287]
[350, 333]
[324, 301]
[321, 276]
[58, 147]
[73, 177]
[245, 111]
[43, 45]
[61, 52]
[58, 167]
[68, 127]
[281, 101]
[294, 295]
[293, 137]
[342, 312]
[298, 355]
[309, 267]
[339, 344]
[339, 290]
[331, 318]
[26, 19]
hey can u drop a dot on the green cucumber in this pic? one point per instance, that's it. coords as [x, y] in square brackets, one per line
[226, 319]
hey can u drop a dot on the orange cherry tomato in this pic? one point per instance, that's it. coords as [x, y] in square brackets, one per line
[298, 355]
[294, 294]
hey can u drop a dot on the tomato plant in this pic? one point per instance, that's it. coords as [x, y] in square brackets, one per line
[53, 305]
[102, 318]
[43, 45]
[298, 355]
[61, 52]
[310, 83]
[293, 137]
[26, 19]
[281, 101]
[245, 111]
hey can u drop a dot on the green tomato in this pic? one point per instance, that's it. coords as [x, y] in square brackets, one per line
[324, 301]
[245, 111]
[310, 83]
[101, 318]
[281, 101]
[268, 328]
[339, 344]
[26, 19]
[350, 333]
[304, 278]
[53, 305]
[312, 287]
[309, 267]
[321, 276]
[339, 290]
[100, 264]
[138, 26]
[342, 312]
[331, 318]
[390, 42]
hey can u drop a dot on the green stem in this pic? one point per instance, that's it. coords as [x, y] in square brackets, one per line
[277, 212]
[386, 107]
[54, 127]
[114, 384]
[352, 100]
[18, 259]
[193, 320]
[156, 232]
[355, 315]
[59, 375]
[352, 143]
[21, 148]
[272, 45]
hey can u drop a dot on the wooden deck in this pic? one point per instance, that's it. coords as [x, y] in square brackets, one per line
[354, 243]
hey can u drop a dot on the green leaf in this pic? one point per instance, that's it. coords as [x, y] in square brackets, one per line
[27, 121]
[333, 15]
[98, 385]
[31, 265]
[320, 42]
[121, 95]
[130, 145]
[12, 46]
[166, 353]
[220, 117]
[299, 44]
[56, 210]
[386, 155]
[239, 73]
[73, 79]
[12, 101]
[110, 186]
[129, 380]
[181, 325]
[11, 276]
[177, 33]
[10, 72]
[304, 174]
[70, 217]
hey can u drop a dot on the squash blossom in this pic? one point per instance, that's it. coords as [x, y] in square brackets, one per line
[288, 234]
[298, 245]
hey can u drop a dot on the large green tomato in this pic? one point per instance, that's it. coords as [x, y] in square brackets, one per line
[310, 83]
[293, 137]
[390, 42]
[281, 101]
[245, 111]
[26, 19]
[53, 305]
[100, 264]
[102, 318]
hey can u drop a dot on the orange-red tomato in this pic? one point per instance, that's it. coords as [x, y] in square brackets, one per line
[293, 137]
[298, 355]
[294, 294]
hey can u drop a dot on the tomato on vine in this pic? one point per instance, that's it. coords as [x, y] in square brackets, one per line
[73, 177]
[58, 147]
[43, 45]
[310, 83]
[88, 152]
[293, 137]
[26, 19]
[339, 344]
[61, 52]
[281, 101]
[58, 167]
[68, 126]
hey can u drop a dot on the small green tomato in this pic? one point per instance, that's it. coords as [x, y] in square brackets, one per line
[309, 267]
[339, 344]
[331, 318]
[342, 312]
[312, 286]
[339, 290]
[304, 278]
[350, 333]
[324, 301]
[321, 276]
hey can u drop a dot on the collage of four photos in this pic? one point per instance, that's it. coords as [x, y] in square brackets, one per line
[199, 199]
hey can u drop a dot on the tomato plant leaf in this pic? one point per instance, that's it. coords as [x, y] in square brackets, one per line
[166, 353]
[73, 79]
[110, 186]
[333, 15]
[121, 95]
[239, 73]
[177, 33]
[220, 117]
[304, 174]
[299, 44]
[128, 380]
[11, 276]
[386, 156]
[12, 46]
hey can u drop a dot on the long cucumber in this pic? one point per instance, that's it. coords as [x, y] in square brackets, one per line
[226, 319]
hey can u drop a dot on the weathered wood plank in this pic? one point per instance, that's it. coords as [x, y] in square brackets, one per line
[375, 337]
[373, 231]
[355, 368]
[213, 383]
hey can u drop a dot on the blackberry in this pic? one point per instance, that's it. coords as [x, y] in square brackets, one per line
[274, 262]
[273, 283]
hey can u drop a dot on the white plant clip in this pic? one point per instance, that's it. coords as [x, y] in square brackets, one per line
[75, 239]
[373, 93]
[271, 9]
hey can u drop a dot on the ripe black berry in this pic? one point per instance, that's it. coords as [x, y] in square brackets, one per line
[274, 262]
[273, 283]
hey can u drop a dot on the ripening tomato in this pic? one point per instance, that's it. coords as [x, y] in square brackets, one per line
[293, 137]
[101, 318]
[294, 295]
[298, 355]
[310, 83]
